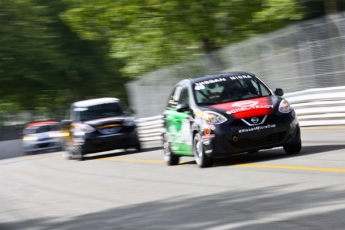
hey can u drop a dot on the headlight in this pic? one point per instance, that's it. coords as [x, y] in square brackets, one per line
[284, 106]
[58, 134]
[29, 138]
[128, 122]
[213, 118]
[80, 129]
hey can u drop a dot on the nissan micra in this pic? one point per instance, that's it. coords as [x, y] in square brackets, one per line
[225, 114]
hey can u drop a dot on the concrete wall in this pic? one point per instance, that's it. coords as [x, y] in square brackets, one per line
[10, 149]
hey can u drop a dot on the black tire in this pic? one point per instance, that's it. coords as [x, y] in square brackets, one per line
[169, 157]
[26, 153]
[73, 153]
[138, 147]
[293, 148]
[202, 160]
[253, 151]
[67, 151]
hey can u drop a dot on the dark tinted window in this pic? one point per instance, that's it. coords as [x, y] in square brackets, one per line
[184, 96]
[99, 111]
[40, 129]
[225, 89]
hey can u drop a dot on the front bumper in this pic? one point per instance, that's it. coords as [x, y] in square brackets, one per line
[42, 145]
[235, 140]
[92, 143]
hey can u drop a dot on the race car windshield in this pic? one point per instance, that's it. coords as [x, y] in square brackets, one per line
[99, 111]
[227, 89]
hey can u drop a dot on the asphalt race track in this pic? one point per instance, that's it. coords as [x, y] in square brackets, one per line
[127, 191]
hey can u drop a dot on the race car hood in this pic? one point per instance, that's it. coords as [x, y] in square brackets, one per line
[248, 108]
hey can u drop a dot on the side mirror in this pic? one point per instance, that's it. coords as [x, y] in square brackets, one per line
[182, 107]
[279, 92]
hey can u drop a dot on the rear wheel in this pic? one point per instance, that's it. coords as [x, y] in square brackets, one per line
[201, 158]
[169, 157]
[138, 146]
[293, 148]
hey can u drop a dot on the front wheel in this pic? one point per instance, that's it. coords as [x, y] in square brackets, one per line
[72, 152]
[138, 146]
[169, 157]
[201, 158]
[293, 148]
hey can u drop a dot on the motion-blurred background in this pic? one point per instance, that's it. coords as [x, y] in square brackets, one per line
[59, 51]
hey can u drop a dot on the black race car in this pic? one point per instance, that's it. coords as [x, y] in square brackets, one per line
[225, 114]
[98, 125]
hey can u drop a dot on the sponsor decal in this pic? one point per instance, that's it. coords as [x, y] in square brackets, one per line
[240, 77]
[245, 103]
[198, 113]
[206, 137]
[247, 108]
[200, 85]
[181, 136]
[79, 109]
[206, 126]
[257, 128]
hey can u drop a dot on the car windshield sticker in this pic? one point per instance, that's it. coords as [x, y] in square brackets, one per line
[240, 77]
[256, 128]
[200, 85]
[80, 109]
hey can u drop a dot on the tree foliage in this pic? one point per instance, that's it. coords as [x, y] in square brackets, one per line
[43, 64]
[151, 34]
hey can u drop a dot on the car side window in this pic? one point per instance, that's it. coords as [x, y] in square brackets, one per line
[175, 95]
[259, 88]
[184, 96]
[43, 129]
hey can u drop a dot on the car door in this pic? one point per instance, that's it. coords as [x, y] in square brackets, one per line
[178, 122]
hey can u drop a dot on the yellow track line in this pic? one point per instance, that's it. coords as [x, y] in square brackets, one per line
[266, 166]
[242, 165]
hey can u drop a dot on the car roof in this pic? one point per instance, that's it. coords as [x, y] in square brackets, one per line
[40, 123]
[95, 101]
[228, 74]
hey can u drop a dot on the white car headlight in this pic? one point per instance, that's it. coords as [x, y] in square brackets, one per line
[30, 138]
[58, 134]
[284, 106]
[213, 118]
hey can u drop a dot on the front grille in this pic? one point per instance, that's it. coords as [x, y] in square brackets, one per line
[44, 145]
[252, 143]
[111, 130]
[270, 119]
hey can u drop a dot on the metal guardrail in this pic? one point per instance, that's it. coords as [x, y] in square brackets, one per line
[321, 106]
[314, 107]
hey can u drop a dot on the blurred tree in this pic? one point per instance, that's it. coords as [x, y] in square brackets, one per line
[151, 34]
[43, 64]
[331, 6]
